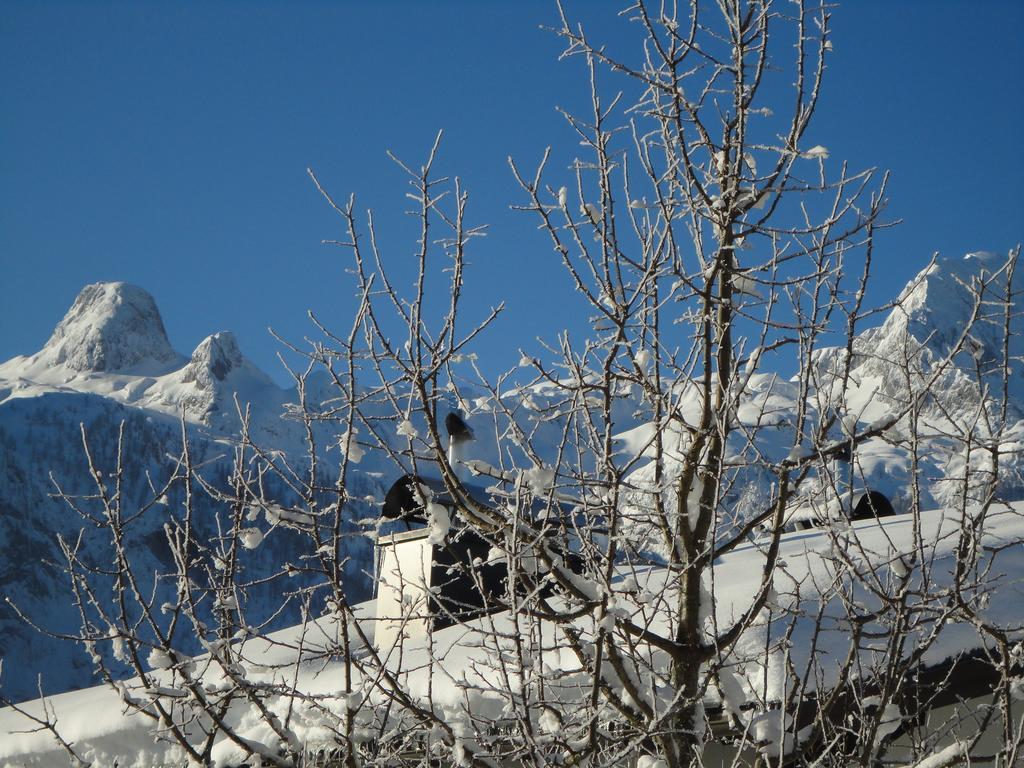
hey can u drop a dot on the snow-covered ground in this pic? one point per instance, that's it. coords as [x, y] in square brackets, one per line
[303, 659]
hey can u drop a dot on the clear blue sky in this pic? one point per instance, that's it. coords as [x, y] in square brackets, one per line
[165, 144]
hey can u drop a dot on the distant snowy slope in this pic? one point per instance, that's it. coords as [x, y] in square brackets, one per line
[914, 348]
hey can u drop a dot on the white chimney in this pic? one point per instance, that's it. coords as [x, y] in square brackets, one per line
[404, 566]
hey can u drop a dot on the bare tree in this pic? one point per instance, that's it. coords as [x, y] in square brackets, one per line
[655, 606]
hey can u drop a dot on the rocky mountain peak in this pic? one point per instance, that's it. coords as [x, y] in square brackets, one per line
[216, 373]
[938, 304]
[215, 357]
[110, 327]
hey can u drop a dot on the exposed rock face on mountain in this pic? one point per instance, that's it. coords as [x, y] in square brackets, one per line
[940, 303]
[110, 327]
[214, 358]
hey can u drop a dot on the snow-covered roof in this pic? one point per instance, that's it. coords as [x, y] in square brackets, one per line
[458, 667]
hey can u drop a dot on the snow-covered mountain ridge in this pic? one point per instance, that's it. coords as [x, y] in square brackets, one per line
[112, 343]
[932, 313]
[109, 361]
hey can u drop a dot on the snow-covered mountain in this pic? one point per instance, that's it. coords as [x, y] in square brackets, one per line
[112, 343]
[905, 354]
[111, 327]
[108, 363]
